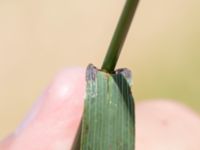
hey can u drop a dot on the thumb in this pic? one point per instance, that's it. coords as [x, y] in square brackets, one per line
[54, 119]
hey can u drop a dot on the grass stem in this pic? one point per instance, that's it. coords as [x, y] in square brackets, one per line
[119, 36]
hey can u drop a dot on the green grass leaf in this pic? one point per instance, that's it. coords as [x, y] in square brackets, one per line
[108, 119]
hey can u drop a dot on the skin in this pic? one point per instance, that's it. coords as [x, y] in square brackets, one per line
[53, 121]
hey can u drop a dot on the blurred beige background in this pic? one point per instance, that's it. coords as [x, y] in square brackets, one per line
[40, 37]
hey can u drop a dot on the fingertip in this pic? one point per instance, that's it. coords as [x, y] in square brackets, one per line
[66, 83]
[64, 95]
[57, 115]
[166, 123]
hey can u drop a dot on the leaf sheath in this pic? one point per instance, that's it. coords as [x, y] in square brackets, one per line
[108, 120]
